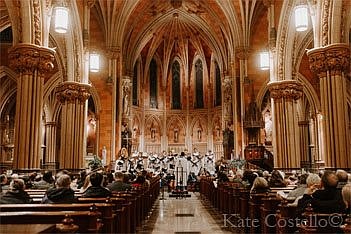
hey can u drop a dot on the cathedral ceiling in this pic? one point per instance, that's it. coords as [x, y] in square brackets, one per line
[4, 16]
[175, 26]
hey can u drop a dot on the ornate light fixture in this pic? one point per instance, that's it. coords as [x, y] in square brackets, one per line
[301, 18]
[264, 60]
[94, 62]
[61, 19]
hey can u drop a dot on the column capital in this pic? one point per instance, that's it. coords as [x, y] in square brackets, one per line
[69, 91]
[334, 58]
[27, 58]
[242, 52]
[113, 52]
[288, 89]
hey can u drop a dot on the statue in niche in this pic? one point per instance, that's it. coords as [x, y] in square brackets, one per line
[153, 132]
[217, 132]
[176, 134]
[135, 131]
[126, 92]
[228, 101]
[268, 127]
[199, 132]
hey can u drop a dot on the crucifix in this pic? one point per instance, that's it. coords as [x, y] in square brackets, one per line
[127, 140]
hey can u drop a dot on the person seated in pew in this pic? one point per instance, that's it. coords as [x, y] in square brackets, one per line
[62, 193]
[248, 178]
[260, 185]
[3, 182]
[81, 179]
[342, 177]
[346, 196]
[277, 179]
[313, 180]
[46, 181]
[301, 187]
[139, 182]
[119, 184]
[326, 200]
[16, 194]
[96, 189]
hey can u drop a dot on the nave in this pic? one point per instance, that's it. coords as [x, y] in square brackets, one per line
[184, 215]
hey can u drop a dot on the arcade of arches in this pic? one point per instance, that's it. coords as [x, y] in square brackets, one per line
[174, 75]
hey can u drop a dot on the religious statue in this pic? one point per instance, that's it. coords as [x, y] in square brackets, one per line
[153, 132]
[199, 132]
[103, 156]
[126, 100]
[268, 127]
[176, 132]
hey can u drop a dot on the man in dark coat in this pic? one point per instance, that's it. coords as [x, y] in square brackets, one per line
[326, 200]
[119, 184]
[62, 193]
[96, 190]
[16, 194]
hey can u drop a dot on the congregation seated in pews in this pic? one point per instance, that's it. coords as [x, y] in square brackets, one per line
[261, 202]
[94, 202]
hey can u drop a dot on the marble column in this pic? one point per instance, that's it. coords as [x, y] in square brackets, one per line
[304, 145]
[50, 129]
[331, 64]
[73, 96]
[286, 145]
[32, 63]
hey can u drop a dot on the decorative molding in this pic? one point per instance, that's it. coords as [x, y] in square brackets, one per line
[50, 124]
[325, 22]
[113, 52]
[28, 58]
[70, 91]
[287, 89]
[334, 58]
[90, 3]
[242, 52]
[303, 123]
[37, 22]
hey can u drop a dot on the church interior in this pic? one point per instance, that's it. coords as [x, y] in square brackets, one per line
[125, 116]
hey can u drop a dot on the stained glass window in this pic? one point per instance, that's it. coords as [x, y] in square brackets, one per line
[176, 102]
[153, 84]
[199, 92]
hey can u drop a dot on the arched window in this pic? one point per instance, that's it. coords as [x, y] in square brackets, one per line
[199, 92]
[176, 102]
[153, 84]
[218, 96]
[135, 84]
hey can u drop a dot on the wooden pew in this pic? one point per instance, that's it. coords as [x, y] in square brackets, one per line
[120, 218]
[105, 209]
[87, 221]
[268, 214]
[321, 223]
[285, 213]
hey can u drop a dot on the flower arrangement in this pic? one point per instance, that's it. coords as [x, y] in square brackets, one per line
[95, 163]
[237, 163]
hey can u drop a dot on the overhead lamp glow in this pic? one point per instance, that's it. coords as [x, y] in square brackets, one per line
[301, 18]
[94, 62]
[264, 60]
[61, 19]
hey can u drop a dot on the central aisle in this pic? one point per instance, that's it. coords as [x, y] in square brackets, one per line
[186, 215]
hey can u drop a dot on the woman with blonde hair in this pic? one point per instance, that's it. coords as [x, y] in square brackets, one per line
[122, 161]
